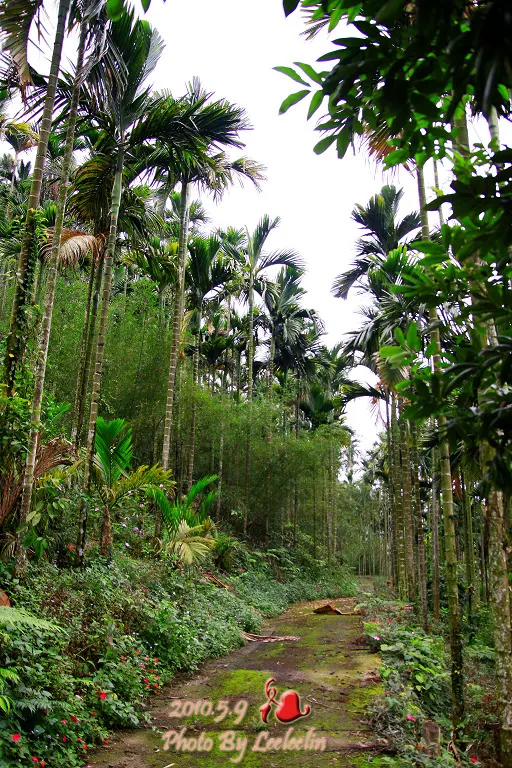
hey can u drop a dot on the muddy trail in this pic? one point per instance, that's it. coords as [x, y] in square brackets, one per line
[329, 667]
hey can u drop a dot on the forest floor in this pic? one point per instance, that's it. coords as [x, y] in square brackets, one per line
[330, 668]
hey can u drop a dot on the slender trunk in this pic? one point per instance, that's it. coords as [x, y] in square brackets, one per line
[88, 363]
[271, 365]
[422, 571]
[192, 444]
[250, 340]
[100, 345]
[399, 518]
[435, 539]
[221, 462]
[27, 259]
[450, 545]
[499, 594]
[468, 549]
[176, 321]
[407, 505]
[42, 352]
[83, 343]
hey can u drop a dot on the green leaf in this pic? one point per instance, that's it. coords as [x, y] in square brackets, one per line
[343, 142]
[399, 336]
[309, 71]
[294, 98]
[413, 339]
[324, 144]
[115, 9]
[316, 100]
[289, 6]
[145, 4]
[289, 72]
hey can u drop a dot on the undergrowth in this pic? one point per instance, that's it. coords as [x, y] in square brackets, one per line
[414, 713]
[129, 626]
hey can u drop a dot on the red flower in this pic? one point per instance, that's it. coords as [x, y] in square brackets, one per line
[474, 759]
[64, 722]
[105, 741]
[102, 695]
[35, 759]
[79, 739]
[93, 714]
[64, 738]
[74, 719]
[156, 660]
[43, 763]
[136, 651]
[71, 546]
[16, 737]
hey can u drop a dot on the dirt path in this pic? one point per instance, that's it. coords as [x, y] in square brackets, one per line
[328, 667]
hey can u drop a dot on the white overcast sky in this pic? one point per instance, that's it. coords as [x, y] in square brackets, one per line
[232, 46]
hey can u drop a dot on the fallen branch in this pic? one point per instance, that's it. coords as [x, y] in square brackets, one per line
[267, 638]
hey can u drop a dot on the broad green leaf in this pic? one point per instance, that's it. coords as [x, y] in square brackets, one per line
[413, 339]
[115, 9]
[323, 144]
[343, 143]
[309, 71]
[289, 6]
[399, 336]
[315, 102]
[291, 73]
[292, 99]
[145, 4]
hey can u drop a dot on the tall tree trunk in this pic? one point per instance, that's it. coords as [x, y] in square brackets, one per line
[250, 339]
[192, 444]
[450, 545]
[42, 352]
[88, 362]
[499, 594]
[435, 539]
[407, 504]
[422, 571]
[176, 321]
[83, 343]
[27, 260]
[399, 515]
[100, 345]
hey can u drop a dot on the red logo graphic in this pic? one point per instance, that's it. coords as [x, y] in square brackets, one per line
[288, 708]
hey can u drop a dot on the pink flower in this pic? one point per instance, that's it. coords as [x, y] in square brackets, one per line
[16, 737]
[411, 718]
[376, 637]
[64, 722]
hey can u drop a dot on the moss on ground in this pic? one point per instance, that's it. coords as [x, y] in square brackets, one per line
[329, 674]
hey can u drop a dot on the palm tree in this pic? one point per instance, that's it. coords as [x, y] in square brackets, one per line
[285, 314]
[217, 125]
[87, 29]
[384, 233]
[255, 262]
[207, 271]
[121, 106]
[111, 476]
[15, 21]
